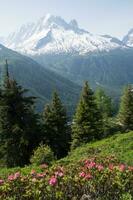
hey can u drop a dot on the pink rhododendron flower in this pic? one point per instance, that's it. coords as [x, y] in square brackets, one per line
[16, 175]
[86, 162]
[11, 177]
[59, 174]
[99, 167]
[53, 181]
[1, 181]
[88, 176]
[122, 167]
[91, 165]
[82, 174]
[130, 168]
[40, 175]
[111, 166]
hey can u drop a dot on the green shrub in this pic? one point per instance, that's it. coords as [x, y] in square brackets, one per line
[126, 196]
[43, 154]
[91, 178]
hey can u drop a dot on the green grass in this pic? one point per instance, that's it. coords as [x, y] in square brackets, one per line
[120, 145]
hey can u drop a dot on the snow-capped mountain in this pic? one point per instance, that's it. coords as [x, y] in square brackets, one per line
[128, 39]
[51, 34]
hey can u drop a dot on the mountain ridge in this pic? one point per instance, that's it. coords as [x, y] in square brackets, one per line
[128, 39]
[58, 36]
[76, 54]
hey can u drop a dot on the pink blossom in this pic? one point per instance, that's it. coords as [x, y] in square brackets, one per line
[86, 162]
[11, 177]
[1, 181]
[99, 167]
[16, 175]
[130, 168]
[53, 181]
[91, 165]
[41, 175]
[111, 166]
[122, 167]
[59, 174]
[88, 176]
[82, 174]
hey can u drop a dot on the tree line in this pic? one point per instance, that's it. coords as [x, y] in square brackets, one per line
[22, 129]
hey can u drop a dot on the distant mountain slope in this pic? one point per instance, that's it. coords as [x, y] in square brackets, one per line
[52, 34]
[110, 70]
[39, 80]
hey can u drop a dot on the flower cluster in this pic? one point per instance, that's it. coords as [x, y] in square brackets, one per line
[99, 180]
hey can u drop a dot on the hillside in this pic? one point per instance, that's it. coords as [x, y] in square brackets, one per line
[40, 81]
[120, 145]
[110, 70]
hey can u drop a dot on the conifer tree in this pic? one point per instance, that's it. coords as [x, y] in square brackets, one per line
[19, 125]
[125, 115]
[104, 103]
[57, 135]
[87, 122]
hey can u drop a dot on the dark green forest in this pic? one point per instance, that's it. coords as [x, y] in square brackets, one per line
[22, 129]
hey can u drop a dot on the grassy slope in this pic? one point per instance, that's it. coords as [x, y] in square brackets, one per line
[120, 145]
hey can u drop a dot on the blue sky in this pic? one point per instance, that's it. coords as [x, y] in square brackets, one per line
[114, 17]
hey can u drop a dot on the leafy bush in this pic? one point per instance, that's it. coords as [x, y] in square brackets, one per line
[93, 178]
[43, 154]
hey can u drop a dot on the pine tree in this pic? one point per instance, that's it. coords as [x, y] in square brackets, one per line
[104, 103]
[87, 122]
[57, 135]
[125, 115]
[19, 125]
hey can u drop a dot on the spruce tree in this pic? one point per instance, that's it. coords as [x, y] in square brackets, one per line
[87, 122]
[106, 107]
[125, 115]
[57, 135]
[104, 103]
[19, 125]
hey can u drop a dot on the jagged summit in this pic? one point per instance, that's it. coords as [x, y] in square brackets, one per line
[128, 39]
[52, 34]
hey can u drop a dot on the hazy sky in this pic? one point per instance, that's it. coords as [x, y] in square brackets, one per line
[114, 17]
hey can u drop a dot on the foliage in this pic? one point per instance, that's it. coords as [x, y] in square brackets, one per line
[126, 109]
[111, 127]
[43, 154]
[87, 123]
[56, 132]
[98, 179]
[19, 124]
[104, 103]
